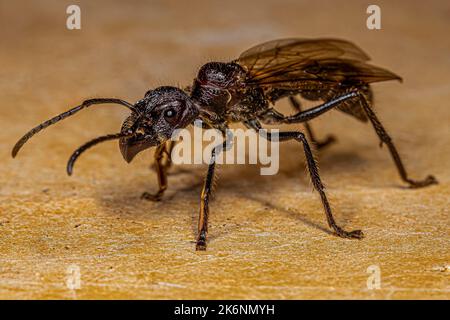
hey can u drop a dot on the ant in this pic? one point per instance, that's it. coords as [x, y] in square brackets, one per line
[332, 71]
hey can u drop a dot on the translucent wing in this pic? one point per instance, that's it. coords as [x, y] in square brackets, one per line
[309, 63]
[319, 74]
[275, 52]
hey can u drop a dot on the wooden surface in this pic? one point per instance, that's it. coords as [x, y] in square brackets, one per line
[268, 235]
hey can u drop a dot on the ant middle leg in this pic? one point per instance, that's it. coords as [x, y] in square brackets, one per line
[318, 143]
[317, 183]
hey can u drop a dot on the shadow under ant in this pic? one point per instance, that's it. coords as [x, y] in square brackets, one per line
[130, 204]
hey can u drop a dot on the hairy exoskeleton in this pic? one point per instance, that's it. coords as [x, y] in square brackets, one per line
[333, 71]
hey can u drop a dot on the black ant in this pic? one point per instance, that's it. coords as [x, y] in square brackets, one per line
[331, 70]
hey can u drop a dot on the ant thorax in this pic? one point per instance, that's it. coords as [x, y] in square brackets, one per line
[216, 84]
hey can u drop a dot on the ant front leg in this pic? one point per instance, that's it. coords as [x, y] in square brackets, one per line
[319, 144]
[166, 162]
[161, 168]
[204, 205]
[204, 209]
[206, 193]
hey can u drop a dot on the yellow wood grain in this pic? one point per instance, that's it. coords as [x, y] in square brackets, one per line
[268, 235]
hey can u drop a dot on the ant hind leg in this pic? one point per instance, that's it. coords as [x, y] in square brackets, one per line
[318, 143]
[386, 139]
[356, 93]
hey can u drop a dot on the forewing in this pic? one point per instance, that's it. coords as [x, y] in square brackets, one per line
[273, 53]
[321, 73]
[309, 63]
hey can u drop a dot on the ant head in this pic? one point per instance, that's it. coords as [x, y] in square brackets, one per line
[157, 116]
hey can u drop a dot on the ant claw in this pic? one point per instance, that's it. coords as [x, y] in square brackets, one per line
[330, 139]
[200, 246]
[151, 197]
[355, 234]
[429, 180]
[201, 242]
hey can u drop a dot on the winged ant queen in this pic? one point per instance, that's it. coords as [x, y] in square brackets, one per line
[331, 71]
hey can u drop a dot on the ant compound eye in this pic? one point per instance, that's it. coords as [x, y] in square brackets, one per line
[170, 113]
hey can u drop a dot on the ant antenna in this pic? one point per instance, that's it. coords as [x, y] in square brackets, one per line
[64, 115]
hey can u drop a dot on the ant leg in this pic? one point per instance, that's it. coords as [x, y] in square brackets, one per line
[204, 203]
[204, 208]
[168, 152]
[315, 178]
[161, 171]
[319, 144]
[385, 138]
[272, 116]
[166, 157]
[379, 129]
[206, 194]
[314, 112]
